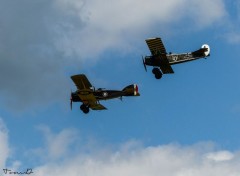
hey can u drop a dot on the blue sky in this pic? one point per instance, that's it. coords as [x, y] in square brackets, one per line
[184, 124]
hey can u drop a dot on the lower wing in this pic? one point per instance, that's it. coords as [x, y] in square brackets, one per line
[97, 106]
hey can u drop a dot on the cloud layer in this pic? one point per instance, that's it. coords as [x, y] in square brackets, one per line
[4, 147]
[40, 39]
[131, 158]
[164, 160]
[120, 24]
[31, 67]
[63, 154]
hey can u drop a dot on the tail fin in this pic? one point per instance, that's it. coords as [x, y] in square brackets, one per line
[207, 50]
[204, 51]
[131, 90]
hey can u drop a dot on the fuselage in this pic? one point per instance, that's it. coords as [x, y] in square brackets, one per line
[98, 94]
[203, 52]
[172, 59]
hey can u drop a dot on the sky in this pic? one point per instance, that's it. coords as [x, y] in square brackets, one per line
[185, 124]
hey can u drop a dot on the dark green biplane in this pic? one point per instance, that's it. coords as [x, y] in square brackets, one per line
[162, 61]
[90, 97]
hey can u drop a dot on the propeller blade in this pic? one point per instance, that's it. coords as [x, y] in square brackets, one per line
[144, 64]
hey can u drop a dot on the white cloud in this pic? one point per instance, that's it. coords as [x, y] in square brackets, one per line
[120, 24]
[231, 25]
[220, 156]
[132, 158]
[31, 65]
[40, 39]
[172, 160]
[4, 148]
[233, 37]
[56, 145]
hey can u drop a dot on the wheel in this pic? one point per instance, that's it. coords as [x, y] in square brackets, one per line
[155, 70]
[157, 73]
[84, 108]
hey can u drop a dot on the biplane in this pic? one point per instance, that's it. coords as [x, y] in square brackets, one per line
[162, 61]
[90, 97]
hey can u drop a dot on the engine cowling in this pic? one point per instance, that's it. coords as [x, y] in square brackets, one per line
[207, 52]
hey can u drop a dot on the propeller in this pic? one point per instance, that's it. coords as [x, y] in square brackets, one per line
[71, 101]
[144, 64]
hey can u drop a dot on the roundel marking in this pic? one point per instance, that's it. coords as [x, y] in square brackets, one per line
[105, 94]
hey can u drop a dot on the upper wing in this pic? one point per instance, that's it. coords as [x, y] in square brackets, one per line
[156, 46]
[85, 92]
[158, 50]
[81, 81]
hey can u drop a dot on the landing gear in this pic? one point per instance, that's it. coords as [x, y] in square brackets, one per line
[84, 108]
[157, 73]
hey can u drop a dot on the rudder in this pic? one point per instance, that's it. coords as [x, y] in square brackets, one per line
[131, 90]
